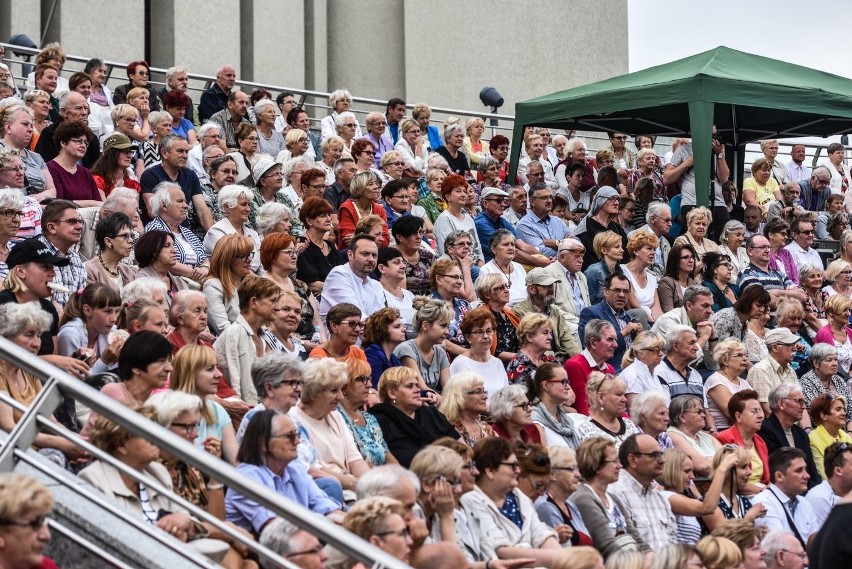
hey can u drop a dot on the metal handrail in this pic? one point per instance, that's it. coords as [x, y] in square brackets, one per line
[87, 545]
[56, 382]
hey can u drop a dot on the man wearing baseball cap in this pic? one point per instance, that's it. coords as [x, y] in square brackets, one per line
[768, 374]
[541, 288]
[490, 219]
[31, 272]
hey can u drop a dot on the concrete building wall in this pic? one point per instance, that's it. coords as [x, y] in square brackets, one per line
[441, 52]
[511, 45]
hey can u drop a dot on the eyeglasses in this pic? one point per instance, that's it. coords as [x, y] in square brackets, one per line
[403, 533]
[398, 163]
[293, 383]
[368, 153]
[313, 551]
[516, 466]
[228, 171]
[808, 232]
[246, 258]
[12, 169]
[291, 252]
[619, 290]
[656, 455]
[657, 351]
[251, 138]
[34, 525]
[364, 379]
[292, 436]
[188, 427]
[353, 323]
[11, 213]
[501, 287]
[537, 486]
[463, 244]
[80, 141]
[619, 137]
[525, 406]
[469, 466]
[482, 333]
[798, 401]
[478, 392]
[456, 277]
[72, 221]
[126, 236]
[565, 383]
[687, 258]
[402, 197]
[545, 198]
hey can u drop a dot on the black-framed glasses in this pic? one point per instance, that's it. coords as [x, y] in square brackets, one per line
[525, 406]
[73, 221]
[403, 533]
[292, 436]
[516, 466]
[291, 252]
[565, 383]
[34, 525]
[363, 379]
[126, 236]
[656, 455]
[11, 213]
[456, 277]
[188, 427]
[246, 258]
[402, 197]
[798, 401]
[292, 383]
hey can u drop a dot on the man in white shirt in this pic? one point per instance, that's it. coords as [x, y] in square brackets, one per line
[352, 283]
[786, 509]
[803, 237]
[838, 482]
[796, 168]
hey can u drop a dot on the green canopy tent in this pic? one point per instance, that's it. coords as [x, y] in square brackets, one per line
[748, 97]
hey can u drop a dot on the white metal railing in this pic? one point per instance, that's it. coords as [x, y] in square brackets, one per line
[56, 383]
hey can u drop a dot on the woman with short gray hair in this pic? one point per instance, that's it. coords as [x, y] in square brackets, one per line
[512, 414]
[11, 216]
[650, 412]
[731, 244]
[823, 377]
[273, 217]
[687, 416]
[235, 203]
[340, 101]
[502, 245]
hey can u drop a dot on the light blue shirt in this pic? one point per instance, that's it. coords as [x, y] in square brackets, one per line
[534, 231]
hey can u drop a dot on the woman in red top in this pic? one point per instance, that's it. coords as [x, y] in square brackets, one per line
[512, 414]
[365, 190]
[747, 415]
[112, 168]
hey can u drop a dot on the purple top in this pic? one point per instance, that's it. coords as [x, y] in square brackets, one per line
[382, 145]
[77, 186]
[783, 262]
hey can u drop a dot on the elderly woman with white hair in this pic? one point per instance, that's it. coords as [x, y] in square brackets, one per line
[646, 167]
[221, 171]
[169, 206]
[511, 411]
[730, 354]
[638, 364]
[392, 166]
[733, 237]
[11, 215]
[161, 125]
[698, 221]
[332, 151]
[292, 171]
[464, 401]
[452, 149]
[23, 324]
[346, 127]
[337, 453]
[340, 101]
[270, 140]
[273, 217]
[687, 416]
[235, 203]
[823, 377]
[650, 412]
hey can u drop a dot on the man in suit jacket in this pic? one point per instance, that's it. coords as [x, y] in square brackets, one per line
[787, 405]
[572, 290]
[659, 218]
[611, 309]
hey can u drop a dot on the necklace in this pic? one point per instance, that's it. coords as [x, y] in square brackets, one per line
[359, 212]
[507, 273]
[114, 273]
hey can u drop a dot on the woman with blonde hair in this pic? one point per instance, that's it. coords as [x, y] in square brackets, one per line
[733, 502]
[464, 403]
[761, 188]
[381, 521]
[39, 102]
[837, 332]
[365, 191]
[322, 391]
[719, 553]
[730, 354]
[363, 426]
[609, 248]
[425, 354]
[684, 498]
[196, 371]
[412, 146]
[535, 335]
[639, 362]
[676, 556]
[839, 274]
[392, 166]
[139, 99]
[473, 146]
[296, 144]
[439, 471]
[407, 424]
[231, 261]
[642, 246]
[698, 221]
[607, 403]
[580, 557]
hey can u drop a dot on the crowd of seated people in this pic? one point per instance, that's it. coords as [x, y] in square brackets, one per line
[388, 329]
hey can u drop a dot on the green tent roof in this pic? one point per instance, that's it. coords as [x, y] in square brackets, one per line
[748, 97]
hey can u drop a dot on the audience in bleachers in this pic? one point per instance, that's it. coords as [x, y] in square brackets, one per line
[453, 350]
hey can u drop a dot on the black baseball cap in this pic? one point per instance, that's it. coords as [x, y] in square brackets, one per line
[34, 251]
